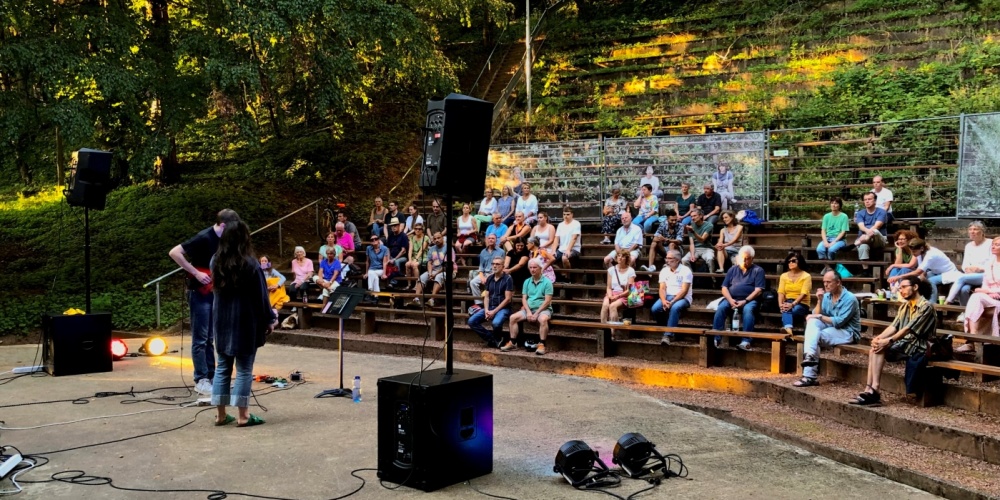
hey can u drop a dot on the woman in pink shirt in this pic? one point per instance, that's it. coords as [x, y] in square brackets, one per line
[303, 270]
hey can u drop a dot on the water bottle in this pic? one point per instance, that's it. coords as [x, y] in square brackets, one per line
[357, 389]
[736, 320]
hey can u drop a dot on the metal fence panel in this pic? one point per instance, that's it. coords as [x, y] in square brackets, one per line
[979, 173]
[559, 172]
[693, 159]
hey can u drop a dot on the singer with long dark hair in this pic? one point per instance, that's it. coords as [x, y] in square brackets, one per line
[243, 319]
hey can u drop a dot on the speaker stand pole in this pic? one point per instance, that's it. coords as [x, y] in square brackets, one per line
[449, 315]
[86, 253]
[341, 392]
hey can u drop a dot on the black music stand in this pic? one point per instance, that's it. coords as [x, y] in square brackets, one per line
[341, 304]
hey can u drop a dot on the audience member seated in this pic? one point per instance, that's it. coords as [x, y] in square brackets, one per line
[486, 207]
[903, 260]
[652, 181]
[686, 203]
[741, 290]
[527, 204]
[275, 285]
[519, 230]
[612, 215]
[303, 270]
[907, 336]
[649, 209]
[833, 229]
[436, 256]
[699, 245]
[345, 241]
[836, 321]
[436, 222]
[730, 239]
[569, 236]
[871, 222]
[412, 219]
[478, 277]
[398, 244]
[377, 260]
[417, 256]
[536, 301]
[883, 197]
[933, 263]
[543, 257]
[468, 231]
[516, 263]
[497, 297]
[983, 309]
[710, 204]
[794, 287]
[392, 214]
[377, 216]
[669, 236]
[331, 243]
[518, 180]
[676, 294]
[506, 205]
[620, 278]
[497, 228]
[975, 260]
[628, 238]
[546, 233]
[350, 229]
[330, 275]
[722, 183]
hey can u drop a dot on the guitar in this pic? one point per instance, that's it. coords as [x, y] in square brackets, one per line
[196, 285]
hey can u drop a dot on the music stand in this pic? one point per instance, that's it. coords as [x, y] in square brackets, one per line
[341, 304]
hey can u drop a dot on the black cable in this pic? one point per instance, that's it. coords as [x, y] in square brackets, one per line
[127, 438]
[105, 394]
[481, 492]
[653, 485]
[15, 377]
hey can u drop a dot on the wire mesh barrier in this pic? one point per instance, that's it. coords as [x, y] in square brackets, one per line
[935, 167]
[979, 167]
[917, 159]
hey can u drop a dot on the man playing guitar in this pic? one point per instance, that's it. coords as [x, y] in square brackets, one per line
[194, 256]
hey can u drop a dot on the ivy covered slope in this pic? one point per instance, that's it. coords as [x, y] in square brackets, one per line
[728, 65]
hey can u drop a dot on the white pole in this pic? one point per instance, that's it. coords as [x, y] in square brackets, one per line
[527, 56]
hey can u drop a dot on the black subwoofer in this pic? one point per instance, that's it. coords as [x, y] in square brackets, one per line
[76, 344]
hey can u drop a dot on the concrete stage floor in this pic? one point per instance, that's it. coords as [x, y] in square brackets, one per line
[308, 447]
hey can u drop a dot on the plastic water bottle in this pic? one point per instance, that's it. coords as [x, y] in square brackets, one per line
[357, 389]
[736, 320]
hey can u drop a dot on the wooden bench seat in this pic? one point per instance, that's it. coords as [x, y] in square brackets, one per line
[778, 347]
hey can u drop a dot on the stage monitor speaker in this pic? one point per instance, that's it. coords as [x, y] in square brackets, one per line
[456, 147]
[76, 344]
[91, 179]
[435, 430]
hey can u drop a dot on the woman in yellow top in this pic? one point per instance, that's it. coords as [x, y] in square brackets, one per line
[418, 253]
[794, 288]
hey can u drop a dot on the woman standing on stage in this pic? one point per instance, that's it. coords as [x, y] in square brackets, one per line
[243, 319]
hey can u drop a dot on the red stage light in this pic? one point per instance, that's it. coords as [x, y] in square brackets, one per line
[118, 349]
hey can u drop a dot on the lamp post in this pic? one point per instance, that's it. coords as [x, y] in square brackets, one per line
[527, 57]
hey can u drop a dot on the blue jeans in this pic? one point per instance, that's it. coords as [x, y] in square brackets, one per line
[240, 396]
[377, 229]
[202, 348]
[820, 334]
[500, 319]
[830, 253]
[685, 221]
[669, 317]
[962, 287]
[749, 317]
[934, 280]
[797, 311]
[646, 222]
[896, 271]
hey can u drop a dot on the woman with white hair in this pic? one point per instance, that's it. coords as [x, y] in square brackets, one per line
[975, 260]
[303, 270]
[982, 313]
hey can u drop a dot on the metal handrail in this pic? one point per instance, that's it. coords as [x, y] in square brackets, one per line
[157, 280]
[486, 66]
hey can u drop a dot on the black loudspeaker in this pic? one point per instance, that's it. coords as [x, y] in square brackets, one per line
[91, 178]
[77, 344]
[435, 430]
[456, 146]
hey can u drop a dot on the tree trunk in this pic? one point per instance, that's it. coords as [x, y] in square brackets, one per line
[166, 168]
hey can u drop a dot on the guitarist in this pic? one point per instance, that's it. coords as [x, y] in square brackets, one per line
[194, 256]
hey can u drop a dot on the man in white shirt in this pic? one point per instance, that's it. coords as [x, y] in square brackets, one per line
[527, 204]
[628, 238]
[932, 264]
[975, 260]
[568, 235]
[675, 294]
[883, 197]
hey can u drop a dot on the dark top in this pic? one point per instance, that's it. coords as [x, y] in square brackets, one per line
[435, 223]
[201, 247]
[389, 215]
[521, 274]
[396, 243]
[498, 289]
[871, 218]
[741, 284]
[684, 204]
[242, 313]
[708, 204]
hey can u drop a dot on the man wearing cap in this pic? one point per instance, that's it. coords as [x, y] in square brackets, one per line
[378, 260]
[398, 243]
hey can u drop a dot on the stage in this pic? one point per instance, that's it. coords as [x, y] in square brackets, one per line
[308, 447]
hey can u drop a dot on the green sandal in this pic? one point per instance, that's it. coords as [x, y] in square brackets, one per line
[253, 420]
[226, 421]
